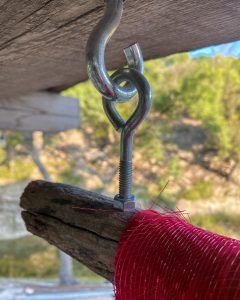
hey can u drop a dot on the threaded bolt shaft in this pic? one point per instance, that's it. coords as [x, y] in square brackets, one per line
[125, 200]
[125, 180]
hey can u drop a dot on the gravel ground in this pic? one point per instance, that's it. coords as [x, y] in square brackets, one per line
[36, 290]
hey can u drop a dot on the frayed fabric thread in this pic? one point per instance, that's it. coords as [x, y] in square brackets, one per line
[164, 257]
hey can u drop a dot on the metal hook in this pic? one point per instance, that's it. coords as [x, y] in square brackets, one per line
[125, 200]
[95, 53]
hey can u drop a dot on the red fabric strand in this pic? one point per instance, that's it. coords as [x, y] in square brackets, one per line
[163, 257]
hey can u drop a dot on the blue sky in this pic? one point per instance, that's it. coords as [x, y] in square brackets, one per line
[230, 49]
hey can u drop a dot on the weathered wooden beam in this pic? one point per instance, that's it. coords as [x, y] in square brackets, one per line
[40, 111]
[81, 223]
[42, 43]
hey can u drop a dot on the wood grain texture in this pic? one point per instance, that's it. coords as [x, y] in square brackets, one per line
[42, 42]
[40, 111]
[81, 223]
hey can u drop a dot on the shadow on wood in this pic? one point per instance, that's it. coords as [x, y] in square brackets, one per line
[81, 223]
[42, 43]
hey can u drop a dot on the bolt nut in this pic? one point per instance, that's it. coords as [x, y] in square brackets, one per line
[124, 204]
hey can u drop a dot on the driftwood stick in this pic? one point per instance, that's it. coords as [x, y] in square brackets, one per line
[81, 223]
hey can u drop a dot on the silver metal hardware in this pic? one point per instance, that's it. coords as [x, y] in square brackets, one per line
[125, 200]
[112, 90]
[95, 55]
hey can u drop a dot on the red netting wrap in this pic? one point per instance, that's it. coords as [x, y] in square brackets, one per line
[163, 257]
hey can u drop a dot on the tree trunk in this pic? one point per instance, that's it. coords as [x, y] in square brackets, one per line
[81, 223]
[66, 276]
[66, 269]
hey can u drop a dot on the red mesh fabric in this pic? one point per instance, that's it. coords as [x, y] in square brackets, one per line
[163, 257]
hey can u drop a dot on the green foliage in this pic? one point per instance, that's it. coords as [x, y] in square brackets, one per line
[67, 176]
[221, 223]
[165, 76]
[28, 257]
[206, 89]
[15, 163]
[211, 94]
[3, 155]
[83, 273]
[91, 109]
[200, 190]
[22, 247]
[148, 141]
[173, 167]
[33, 257]
[14, 139]
[20, 168]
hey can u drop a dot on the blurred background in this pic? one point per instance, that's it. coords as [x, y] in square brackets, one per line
[189, 144]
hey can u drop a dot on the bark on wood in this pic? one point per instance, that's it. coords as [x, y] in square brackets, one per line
[42, 43]
[40, 111]
[81, 223]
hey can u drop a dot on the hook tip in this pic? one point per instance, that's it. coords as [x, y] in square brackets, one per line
[134, 57]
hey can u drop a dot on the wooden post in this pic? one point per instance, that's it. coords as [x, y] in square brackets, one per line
[81, 223]
[41, 111]
[42, 43]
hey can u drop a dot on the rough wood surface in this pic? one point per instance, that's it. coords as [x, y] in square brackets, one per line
[81, 223]
[42, 42]
[40, 111]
